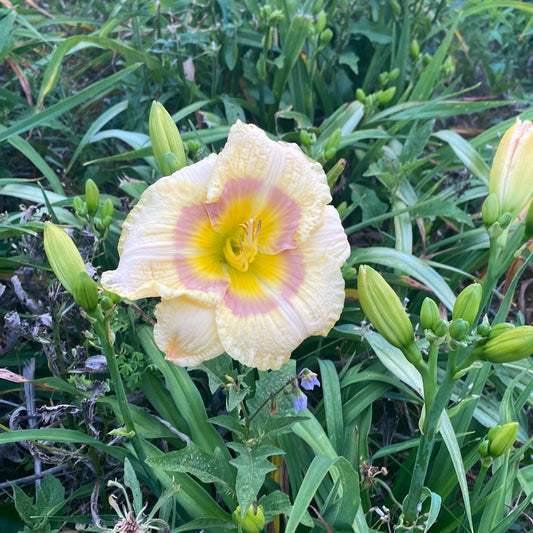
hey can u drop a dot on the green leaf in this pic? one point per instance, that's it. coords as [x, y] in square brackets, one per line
[207, 467]
[277, 503]
[438, 207]
[332, 402]
[131, 481]
[409, 264]
[466, 153]
[63, 106]
[434, 507]
[450, 439]
[252, 466]
[24, 505]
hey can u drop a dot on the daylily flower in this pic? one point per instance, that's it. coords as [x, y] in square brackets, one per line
[243, 250]
[510, 177]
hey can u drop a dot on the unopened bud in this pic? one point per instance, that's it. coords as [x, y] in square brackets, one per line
[467, 304]
[459, 329]
[429, 314]
[414, 49]
[512, 345]
[384, 97]
[490, 211]
[253, 521]
[502, 438]
[92, 197]
[321, 21]
[326, 36]
[384, 309]
[86, 294]
[165, 139]
[360, 95]
[77, 204]
[63, 256]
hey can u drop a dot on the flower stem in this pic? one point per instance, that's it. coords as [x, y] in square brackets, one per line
[427, 439]
[101, 326]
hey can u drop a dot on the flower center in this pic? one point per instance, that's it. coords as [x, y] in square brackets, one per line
[240, 249]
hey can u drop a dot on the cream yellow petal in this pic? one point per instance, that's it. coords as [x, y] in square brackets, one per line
[261, 323]
[186, 331]
[149, 254]
[250, 154]
[510, 177]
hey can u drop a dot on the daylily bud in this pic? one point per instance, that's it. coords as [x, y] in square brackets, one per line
[326, 36]
[498, 329]
[77, 204]
[510, 176]
[490, 211]
[360, 95]
[384, 309]
[63, 256]
[394, 73]
[441, 329]
[501, 438]
[466, 305]
[414, 49]
[334, 139]
[458, 329]
[321, 21]
[484, 328]
[107, 212]
[86, 294]
[253, 521]
[92, 197]
[165, 139]
[384, 97]
[429, 315]
[512, 345]
[483, 448]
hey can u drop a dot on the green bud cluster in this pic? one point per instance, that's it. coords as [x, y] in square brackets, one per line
[499, 440]
[505, 344]
[86, 210]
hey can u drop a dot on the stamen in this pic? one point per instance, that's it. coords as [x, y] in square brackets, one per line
[241, 250]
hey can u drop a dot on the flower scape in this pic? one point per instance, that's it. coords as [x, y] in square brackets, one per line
[243, 250]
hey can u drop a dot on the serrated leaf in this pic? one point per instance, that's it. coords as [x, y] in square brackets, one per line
[437, 207]
[208, 468]
[267, 384]
[277, 503]
[23, 505]
[252, 466]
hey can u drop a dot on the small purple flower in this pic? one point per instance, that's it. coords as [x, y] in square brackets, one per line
[308, 380]
[299, 401]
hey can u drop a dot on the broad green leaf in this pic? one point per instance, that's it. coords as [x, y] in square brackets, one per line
[252, 466]
[409, 264]
[332, 402]
[466, 153]
[450, 439]
[207, 467]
